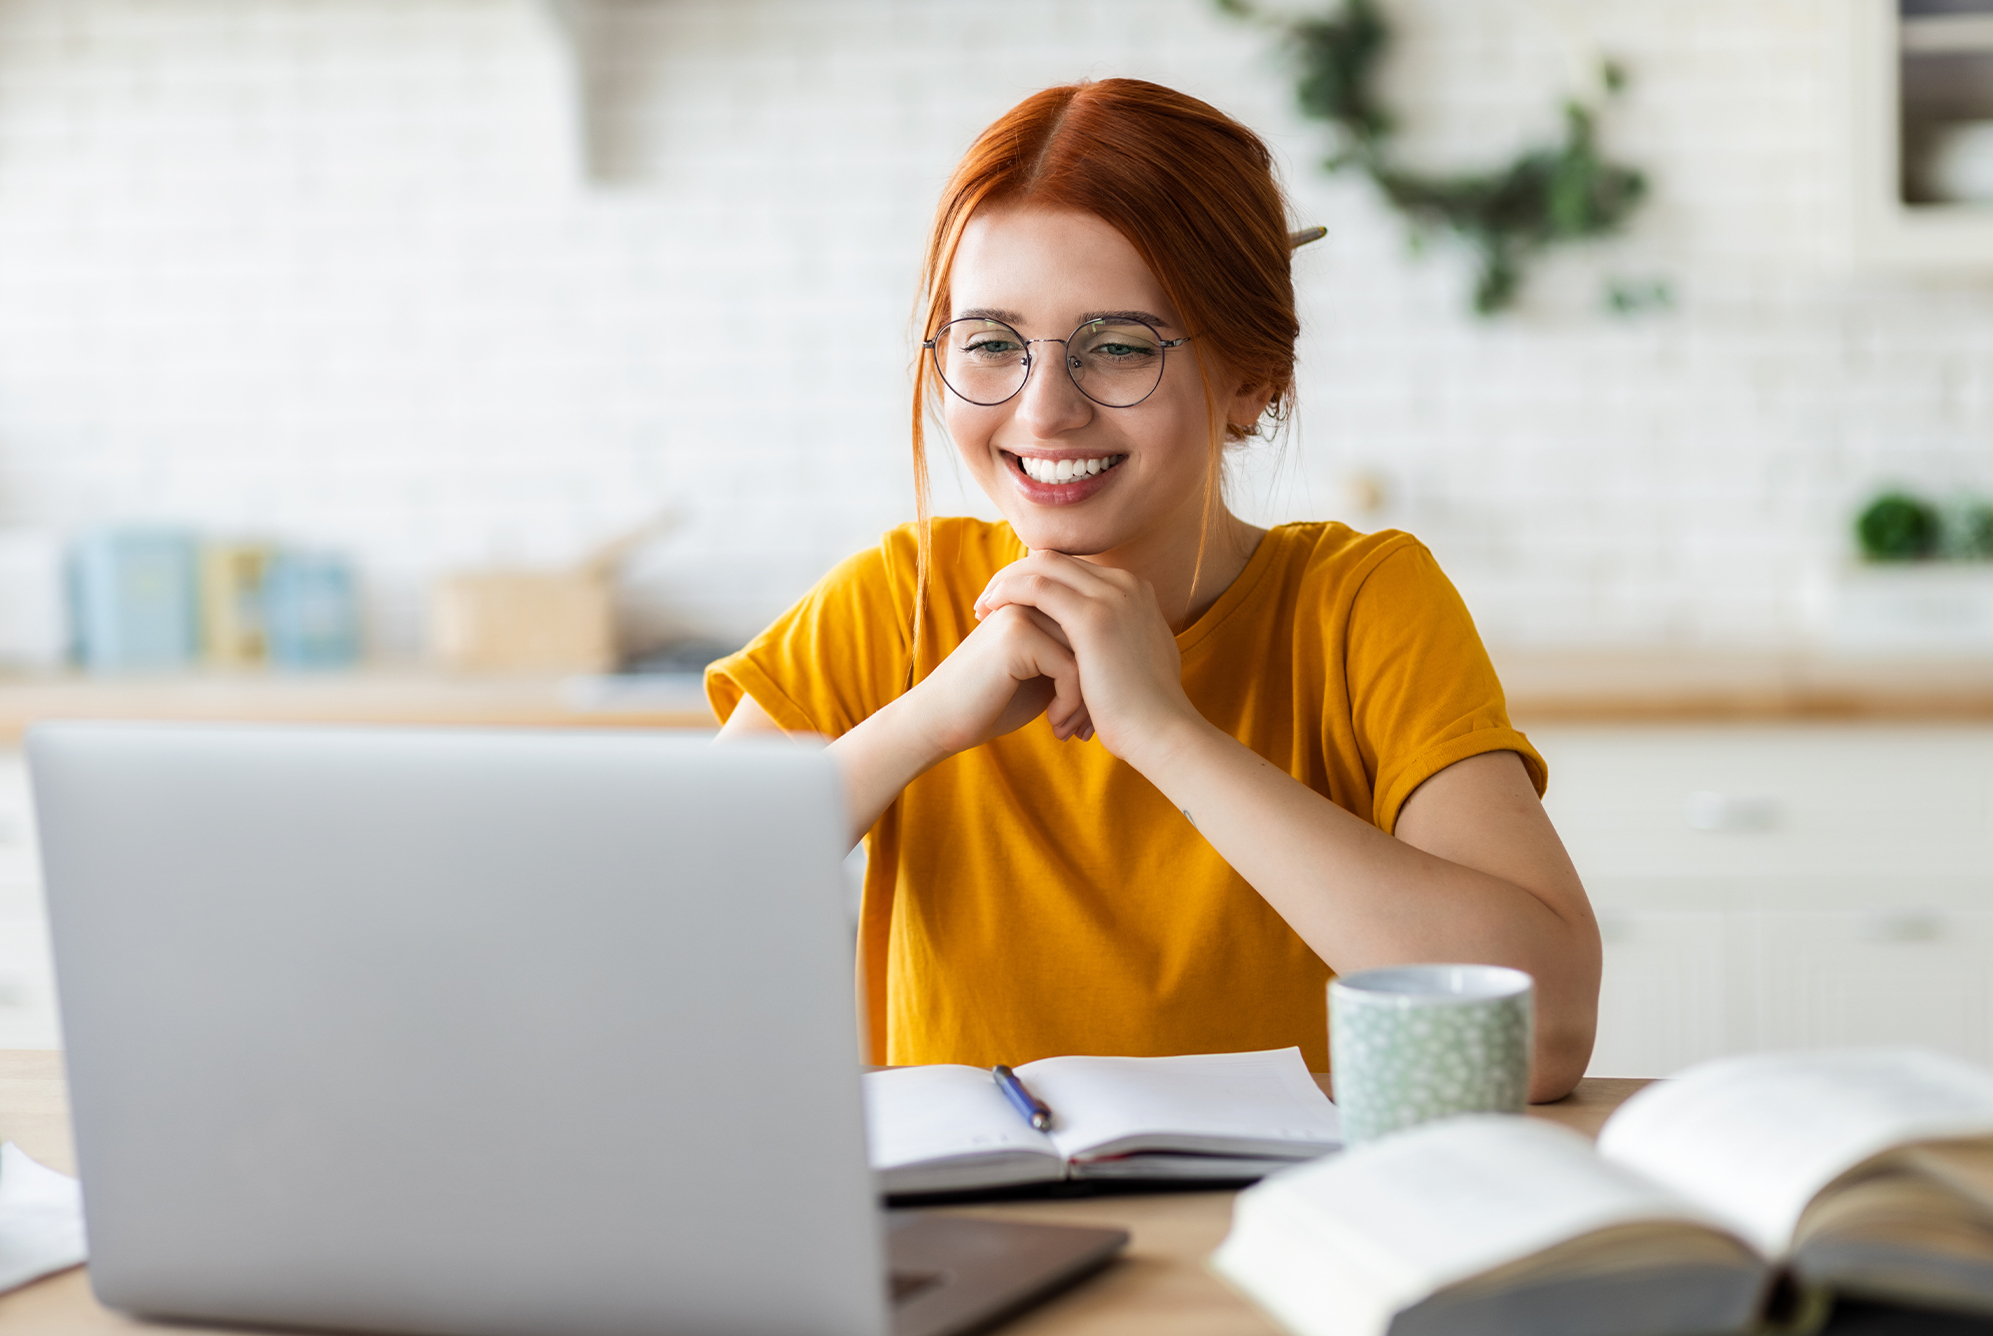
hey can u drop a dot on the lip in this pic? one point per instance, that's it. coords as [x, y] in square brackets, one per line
[1059, 493]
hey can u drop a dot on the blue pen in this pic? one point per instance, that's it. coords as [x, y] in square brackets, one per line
[1035, 1110]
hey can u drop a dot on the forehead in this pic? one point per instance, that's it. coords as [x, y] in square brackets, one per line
[1051, 266]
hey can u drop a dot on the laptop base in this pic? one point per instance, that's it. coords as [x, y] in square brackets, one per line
[957, 1274]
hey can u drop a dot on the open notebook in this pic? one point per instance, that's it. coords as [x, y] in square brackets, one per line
[1212, 1116]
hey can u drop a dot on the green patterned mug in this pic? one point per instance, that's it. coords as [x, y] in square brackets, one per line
[1412, 1043]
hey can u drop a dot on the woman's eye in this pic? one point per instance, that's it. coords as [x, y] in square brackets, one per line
[988, 348]
[1110, 350]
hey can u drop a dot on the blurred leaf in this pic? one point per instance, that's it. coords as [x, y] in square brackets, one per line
[1897, 527]
[1547, 195]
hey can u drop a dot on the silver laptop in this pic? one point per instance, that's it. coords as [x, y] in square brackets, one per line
[454, 1031]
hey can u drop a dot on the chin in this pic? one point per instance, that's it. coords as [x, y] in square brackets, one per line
[1043, 535]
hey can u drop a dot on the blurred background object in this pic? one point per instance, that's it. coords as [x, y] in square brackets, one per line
[232, 613]
[538, 621]
[311, 611]
[135, 599]
[524, 622]
[1897, 527]
[34, 609]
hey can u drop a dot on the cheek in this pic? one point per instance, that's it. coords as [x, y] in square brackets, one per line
[1176, 431]
[971, 434]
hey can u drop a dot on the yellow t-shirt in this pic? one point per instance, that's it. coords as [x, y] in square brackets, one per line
[1033, 897]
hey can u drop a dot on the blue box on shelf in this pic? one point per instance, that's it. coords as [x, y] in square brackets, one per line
[311, 611]
[134, 596]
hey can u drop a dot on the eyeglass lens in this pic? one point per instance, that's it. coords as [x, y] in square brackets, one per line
[1115, 363]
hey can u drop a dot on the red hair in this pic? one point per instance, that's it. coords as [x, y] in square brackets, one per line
[1194, 193]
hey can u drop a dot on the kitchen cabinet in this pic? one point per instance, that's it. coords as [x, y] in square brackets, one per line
[1919, 75]
[27, 974]
[1763, 886]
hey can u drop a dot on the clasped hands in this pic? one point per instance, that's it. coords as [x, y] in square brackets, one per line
[1087, 646]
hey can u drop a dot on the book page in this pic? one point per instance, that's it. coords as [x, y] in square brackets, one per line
[1388, 1224]
[914, 1115]
[1211, 1103]
[1755, 1137]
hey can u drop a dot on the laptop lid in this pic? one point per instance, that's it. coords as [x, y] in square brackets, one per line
[458, 1031]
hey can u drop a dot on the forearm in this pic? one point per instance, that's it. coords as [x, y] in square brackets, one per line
[877, 759]
[1361, 898]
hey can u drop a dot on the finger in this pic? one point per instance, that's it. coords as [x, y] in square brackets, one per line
[1067, 713]
[1081, 575]
[1067, 722]
[1048, 626]
[1039, 652]
[1051, 595]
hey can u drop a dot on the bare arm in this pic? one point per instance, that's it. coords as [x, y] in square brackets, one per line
[1475, 872]
[1012, 668]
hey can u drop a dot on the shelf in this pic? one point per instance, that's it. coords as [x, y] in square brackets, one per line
[374, 697]
[1947, 34]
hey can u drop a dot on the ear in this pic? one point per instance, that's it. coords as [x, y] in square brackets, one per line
[1248, 402]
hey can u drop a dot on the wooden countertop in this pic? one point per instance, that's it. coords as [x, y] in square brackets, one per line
[1161, 1287]
[1543, 686]
[1624, 686]
[367, 697]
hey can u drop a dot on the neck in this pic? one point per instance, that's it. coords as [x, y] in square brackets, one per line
[1171, 561]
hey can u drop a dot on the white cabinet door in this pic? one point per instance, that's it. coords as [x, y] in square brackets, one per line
[1883, 976]
[1665, 1000]
[1786, 886]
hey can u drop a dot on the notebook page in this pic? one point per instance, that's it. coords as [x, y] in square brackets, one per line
[1216, 1103]
[1755, 1137]
[919, 1114]
[1399, 1218]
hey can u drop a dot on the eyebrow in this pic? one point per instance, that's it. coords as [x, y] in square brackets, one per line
[1013, 318]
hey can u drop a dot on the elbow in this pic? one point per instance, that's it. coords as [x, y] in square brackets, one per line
[1567, 1016]
[1562, 1054]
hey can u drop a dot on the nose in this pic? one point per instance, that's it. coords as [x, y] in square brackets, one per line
[1050, 403]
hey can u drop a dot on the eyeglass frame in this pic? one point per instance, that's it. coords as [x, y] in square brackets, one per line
[932, 345]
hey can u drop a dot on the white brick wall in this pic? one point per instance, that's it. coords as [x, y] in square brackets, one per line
[328, 269]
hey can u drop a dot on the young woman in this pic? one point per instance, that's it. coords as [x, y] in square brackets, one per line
[1137, 776]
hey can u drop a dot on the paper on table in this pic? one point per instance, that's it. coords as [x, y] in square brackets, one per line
[41, 1219]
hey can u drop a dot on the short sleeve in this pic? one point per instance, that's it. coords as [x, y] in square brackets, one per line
[1422, 692]
[834, 658]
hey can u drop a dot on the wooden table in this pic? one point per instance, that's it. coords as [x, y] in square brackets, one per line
[1160, 1287]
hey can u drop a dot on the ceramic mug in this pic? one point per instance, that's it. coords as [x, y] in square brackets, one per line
[1411, 1043]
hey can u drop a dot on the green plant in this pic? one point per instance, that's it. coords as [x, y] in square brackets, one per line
[1897, 527]
[1508, 215]
[1965, 529]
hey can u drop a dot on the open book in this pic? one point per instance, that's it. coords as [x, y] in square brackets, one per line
[1222, 1116]
[1866, 1173]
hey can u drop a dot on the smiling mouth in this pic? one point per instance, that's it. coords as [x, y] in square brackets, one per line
[1055, 472]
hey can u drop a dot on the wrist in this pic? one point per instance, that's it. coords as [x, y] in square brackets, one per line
[902, 728]
[1169, 743]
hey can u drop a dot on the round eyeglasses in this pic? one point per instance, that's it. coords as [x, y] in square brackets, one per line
[1117, 363]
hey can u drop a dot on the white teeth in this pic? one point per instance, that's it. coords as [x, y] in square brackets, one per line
[1057, 471]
